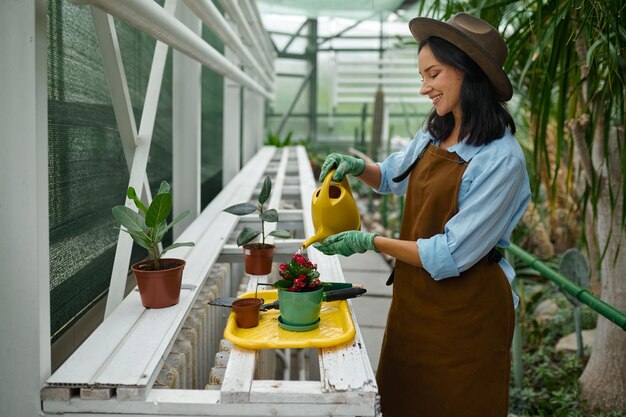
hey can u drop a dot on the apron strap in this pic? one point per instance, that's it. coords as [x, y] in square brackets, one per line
[407, 171]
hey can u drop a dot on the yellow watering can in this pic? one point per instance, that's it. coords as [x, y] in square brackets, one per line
[333, 210]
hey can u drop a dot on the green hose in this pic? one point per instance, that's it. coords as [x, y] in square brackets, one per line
[581, 294]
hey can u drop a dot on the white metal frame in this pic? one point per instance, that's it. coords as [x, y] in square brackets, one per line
[152, 19]
[191, 50]
[395, 72]
[186, 127]
[212, 17]
[347, 386]
[24, 247]
[136, 144]
[231, 152]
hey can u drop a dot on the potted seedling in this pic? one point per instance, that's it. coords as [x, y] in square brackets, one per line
[159, 279]
[258, 255]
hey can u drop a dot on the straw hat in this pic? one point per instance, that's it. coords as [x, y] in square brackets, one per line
[476, 38]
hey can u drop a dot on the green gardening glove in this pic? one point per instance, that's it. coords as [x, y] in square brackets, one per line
[344, 164]
[347, 243]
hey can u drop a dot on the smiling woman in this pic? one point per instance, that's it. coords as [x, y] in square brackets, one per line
[464, 176]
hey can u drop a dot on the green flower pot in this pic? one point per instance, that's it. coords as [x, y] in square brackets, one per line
[300, 308]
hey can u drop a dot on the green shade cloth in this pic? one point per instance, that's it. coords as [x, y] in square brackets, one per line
[87, 168]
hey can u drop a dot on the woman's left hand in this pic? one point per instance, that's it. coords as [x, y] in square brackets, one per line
[347, 243]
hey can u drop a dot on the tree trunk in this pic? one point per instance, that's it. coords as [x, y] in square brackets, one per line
[603, 382]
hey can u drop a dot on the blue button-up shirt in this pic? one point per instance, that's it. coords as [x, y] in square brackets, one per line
[493, 196]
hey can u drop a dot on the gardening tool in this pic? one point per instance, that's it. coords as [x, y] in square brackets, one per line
[333, 210]
[335, 295]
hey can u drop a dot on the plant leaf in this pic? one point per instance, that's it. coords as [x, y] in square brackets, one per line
[169, 226]
[246, 236]
[159, 209]
[164, 188]
[265, 190]
[128, 218]
[177, 245]
[270, 215]
[282, 283]
[160, 231]
[241, 209]
[132, 194]
[283, 234]
[139, 239]
[178, 218]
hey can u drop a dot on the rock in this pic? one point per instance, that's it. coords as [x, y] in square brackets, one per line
[568, 343]
[545, 311]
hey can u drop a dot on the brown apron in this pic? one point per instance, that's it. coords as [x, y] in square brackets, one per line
[446, 351]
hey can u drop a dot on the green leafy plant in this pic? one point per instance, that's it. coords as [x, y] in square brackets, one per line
[550, 386]
[149, 226]
[273, 139]
[265, 215]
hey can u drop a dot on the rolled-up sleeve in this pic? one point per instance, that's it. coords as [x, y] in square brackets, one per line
[436, 257]
[489, 209]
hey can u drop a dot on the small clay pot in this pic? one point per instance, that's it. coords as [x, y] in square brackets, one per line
[159, 288]
[247, 312]
[258, 258]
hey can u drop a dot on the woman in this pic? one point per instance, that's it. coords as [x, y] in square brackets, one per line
[446, 350]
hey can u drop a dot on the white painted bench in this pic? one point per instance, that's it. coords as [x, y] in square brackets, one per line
[114, 371]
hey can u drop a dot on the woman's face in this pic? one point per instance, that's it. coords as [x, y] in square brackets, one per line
[441, 83]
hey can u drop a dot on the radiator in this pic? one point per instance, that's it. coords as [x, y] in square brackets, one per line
[199, 355]
[186, 366]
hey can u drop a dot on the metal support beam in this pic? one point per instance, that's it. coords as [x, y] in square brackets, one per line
[186, 131]
[24, 247]
[341, 32]
[287, 112]
[265, 38]
[149, 17]
[312, 50]
[294, 36]
[212, 17]
[114, 70]
[235, 13]
[231, 162]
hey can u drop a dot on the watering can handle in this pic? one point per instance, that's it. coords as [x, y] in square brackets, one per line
[329, 178]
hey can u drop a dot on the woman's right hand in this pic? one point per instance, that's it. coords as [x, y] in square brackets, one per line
[343, 165]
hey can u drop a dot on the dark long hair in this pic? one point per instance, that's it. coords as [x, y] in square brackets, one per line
[484, 117]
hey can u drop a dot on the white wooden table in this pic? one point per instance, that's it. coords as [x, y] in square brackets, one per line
[113, 372]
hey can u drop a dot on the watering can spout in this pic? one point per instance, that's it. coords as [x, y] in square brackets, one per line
[315, 238]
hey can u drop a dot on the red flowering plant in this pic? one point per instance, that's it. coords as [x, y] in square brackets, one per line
[298, 275]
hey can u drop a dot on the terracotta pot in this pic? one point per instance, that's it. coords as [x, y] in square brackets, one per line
[247, 312]
[258, 258]
[159, 288]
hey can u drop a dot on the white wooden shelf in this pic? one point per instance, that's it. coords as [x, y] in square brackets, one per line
[113, 372]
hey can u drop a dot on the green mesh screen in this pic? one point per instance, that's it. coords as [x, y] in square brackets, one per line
[87, 169]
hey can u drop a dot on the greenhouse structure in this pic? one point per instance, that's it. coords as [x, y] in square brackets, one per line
[213, 98]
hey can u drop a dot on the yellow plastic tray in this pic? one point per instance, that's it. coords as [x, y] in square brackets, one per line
[335, 327]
